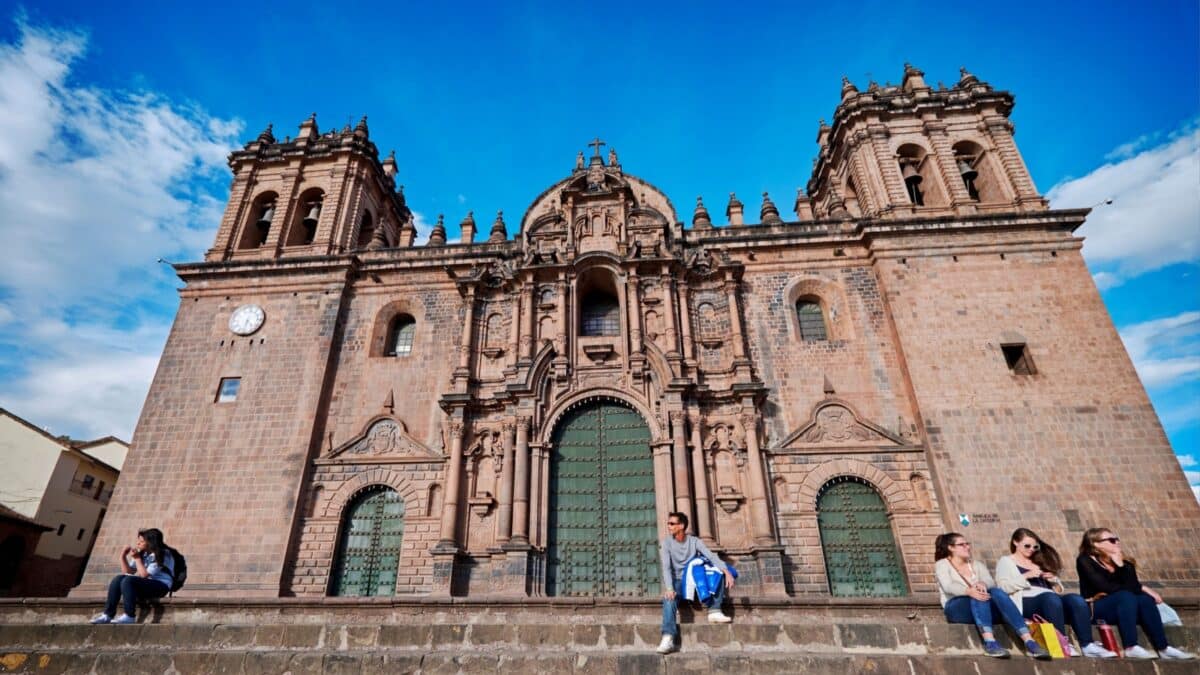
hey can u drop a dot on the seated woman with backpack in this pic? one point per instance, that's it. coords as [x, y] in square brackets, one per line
[1108, 579]
[969, 595]
[147, 568]
[1030, 577]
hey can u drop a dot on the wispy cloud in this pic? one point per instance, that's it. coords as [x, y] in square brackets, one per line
[95, 185]
[1154, 219]
[1165, 351]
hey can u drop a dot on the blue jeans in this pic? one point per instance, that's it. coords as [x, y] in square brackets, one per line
[669, 625]
[1058, 609]
[965, 609]
[1126, 610]
[131, 588]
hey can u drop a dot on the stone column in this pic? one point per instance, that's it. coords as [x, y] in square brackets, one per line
[889, 168]
[683, 496]
[1000, 130]
[514, 342]
[446, 537]
[735, 319]
[529, 315]
[943, 152]
[520, 529]
[759, 512]
[685, 322]
[468, 335]
[560, 340]
[635, 312]
[662, 485]
[504, 513]
[536, 480]
[623, 307]
[703, 515]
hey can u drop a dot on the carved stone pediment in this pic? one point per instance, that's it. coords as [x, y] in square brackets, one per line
[835, 423]
[385, 438]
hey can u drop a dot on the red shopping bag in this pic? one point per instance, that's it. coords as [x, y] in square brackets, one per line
[1108, 638]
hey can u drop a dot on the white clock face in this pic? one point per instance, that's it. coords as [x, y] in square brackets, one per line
[246, 319]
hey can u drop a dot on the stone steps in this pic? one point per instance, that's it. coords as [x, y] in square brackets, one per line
[268, 662]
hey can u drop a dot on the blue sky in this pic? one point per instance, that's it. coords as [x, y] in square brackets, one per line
[115, 121]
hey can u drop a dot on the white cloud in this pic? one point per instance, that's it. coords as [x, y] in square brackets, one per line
[1186, 460]
[462, 199]
[1165, 351]
[1105, 280]
[95, 185]
[423, 228]
[1154, 219]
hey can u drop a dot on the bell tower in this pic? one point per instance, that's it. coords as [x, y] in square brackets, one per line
[913, 150]
[315, 194]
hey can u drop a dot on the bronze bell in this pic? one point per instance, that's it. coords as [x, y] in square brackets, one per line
[911, 177]
[967, 171]
[268, 212]
[314, 212]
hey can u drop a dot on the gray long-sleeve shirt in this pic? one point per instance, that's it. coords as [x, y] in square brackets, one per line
[676, 554]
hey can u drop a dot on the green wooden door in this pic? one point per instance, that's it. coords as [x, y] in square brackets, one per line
[601, 527]
[860, 552]
[369, 551]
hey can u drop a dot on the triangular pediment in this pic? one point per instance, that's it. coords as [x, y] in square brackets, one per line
[835, 424]
[384, 438]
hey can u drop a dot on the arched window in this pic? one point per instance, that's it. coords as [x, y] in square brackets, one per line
[812, 320]
[262, 214]
[861, 559]
[974, 170]
[366, 230]
[308, 214]
[400, 336]
[600, 315]
[920, 176]
[369, 549]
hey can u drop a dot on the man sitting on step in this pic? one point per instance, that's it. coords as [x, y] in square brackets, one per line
[677, 550]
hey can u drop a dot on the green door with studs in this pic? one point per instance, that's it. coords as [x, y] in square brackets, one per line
[369, 550]
[601, 529]
[860, 552]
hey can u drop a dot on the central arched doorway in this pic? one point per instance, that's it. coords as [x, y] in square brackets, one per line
[601, 523]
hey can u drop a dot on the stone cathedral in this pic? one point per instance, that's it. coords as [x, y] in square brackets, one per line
[917, 347]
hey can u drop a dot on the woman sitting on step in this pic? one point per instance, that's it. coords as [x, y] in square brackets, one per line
[1030, 577]
[969, 595]
[147, 570]
[1108, 579]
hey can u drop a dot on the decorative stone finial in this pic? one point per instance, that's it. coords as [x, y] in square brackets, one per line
[389, 164]
[266, 136]
[848, 88]
[361, 129]
[914, 79]
[468, 227]
[700, 219]
[966, 79]
[769, 215]
[579, 161]
[499, 231]
[734, 210]
[612, 157]
[438, 236]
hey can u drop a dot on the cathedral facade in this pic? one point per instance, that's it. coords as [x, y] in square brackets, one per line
[340, 412]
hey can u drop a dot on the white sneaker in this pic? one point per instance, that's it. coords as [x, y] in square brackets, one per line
[1069, 650]
[101, 618]
[717, 616]
[1095, 650]
[124, 618]
[1177, 654]
[1139, 652]
[667, 645]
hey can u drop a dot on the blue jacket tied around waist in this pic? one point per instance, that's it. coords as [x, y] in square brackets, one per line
[700, 579]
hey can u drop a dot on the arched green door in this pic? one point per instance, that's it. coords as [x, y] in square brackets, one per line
[601, 530]
[369, 550]
[856, 536]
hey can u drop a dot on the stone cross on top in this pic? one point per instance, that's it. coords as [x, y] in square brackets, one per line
[597, 144]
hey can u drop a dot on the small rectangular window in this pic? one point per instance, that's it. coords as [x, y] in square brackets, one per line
[79, 537]
[61, 527]
[99, 491]
[88, 481]
[1018, 359]
[228, 390]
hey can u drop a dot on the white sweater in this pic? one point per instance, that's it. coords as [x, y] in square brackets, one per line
[1011, 581]
[952, 585]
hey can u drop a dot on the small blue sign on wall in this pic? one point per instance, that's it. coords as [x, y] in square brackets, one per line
[964, 519]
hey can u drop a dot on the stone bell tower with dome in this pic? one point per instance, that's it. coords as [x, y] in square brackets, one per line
[515, 417]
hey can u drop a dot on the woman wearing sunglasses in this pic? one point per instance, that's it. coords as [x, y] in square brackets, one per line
[969, 595]
[1030, 577]
[1108, 579]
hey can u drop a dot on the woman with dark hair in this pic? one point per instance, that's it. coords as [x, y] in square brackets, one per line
[147, 570]
[969, 595]
[1030, 577]
[1108, 579]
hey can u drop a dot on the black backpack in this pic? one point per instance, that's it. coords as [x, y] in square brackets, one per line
[179, 573]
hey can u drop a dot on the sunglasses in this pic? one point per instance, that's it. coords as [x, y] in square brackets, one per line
[1035, 547]
[672, 522]
[961, 543]
[1111, 540]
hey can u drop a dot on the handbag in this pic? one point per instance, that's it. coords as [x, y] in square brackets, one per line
[1046, 635]
[1108, 638]
[1169, 616]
